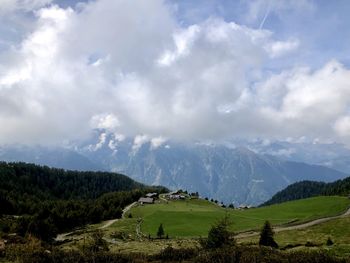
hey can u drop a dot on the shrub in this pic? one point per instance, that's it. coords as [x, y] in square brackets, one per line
[171, 254]
[329, 242]
[97, 243]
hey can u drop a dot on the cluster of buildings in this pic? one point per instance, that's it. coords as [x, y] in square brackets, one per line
[175, 196]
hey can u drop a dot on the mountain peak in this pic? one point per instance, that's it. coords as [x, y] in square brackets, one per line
[244, 151]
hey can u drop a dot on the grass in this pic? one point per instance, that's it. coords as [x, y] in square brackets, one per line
[152, 247]
[187, 220]
[338, 230]
[126, 225]
[193, 218]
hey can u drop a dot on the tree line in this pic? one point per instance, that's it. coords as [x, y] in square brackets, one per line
[47, 201]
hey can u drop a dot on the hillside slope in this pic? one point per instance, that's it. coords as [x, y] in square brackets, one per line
[305, 189]
[176, 216]
[46, 200]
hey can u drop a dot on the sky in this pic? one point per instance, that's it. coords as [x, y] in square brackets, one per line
[183, 70]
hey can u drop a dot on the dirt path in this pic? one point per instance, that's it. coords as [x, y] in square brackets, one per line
[112, 221]
[64, 236]
[296, 227]
[161, 197]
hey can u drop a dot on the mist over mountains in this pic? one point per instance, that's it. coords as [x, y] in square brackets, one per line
[239, 172]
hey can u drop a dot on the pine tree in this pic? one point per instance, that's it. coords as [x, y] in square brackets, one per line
[219, 235]
[266, 236]
[160, 231]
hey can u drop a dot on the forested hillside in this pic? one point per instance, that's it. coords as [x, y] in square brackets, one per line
[50, 200]
[305, 189]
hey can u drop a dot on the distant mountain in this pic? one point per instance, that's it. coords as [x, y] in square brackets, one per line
[227, 172]
[305, 189]
[332, 155]
[52, 157]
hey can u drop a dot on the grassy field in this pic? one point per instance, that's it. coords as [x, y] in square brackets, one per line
[316, 236]
[187, 220]
[193, 218]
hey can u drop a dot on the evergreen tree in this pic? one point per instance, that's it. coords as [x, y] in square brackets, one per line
[266, 236]
[219, 235]
[160, 232]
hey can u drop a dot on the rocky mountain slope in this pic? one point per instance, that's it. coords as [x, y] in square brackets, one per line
[228, 174]
[224, 172]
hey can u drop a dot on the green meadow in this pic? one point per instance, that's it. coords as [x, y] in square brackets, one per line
[193, 218]
[338, 230]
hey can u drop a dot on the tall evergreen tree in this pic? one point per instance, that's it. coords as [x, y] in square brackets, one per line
[219, 235]
[160, 232]
[266, 236]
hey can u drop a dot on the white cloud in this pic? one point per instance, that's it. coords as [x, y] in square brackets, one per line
[157, 142]
[139, 72]
[280, 48]
[101, 141]
[105, 122]
[342, 126]
[139, 140]
[301, 102]
[183, 41]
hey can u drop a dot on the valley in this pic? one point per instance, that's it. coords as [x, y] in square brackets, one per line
[57, 214]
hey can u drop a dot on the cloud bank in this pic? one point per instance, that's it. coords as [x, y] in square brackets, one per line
[129, 67]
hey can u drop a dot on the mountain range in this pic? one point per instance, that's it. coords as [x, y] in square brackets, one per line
[236, 172]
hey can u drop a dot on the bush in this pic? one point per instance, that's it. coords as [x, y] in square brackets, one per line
[5, 228]
[329, 242]
[249, 254]
[34, 251]
[178, 255]
[97, 243]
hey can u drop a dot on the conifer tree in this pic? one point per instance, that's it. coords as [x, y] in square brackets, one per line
[219, 235]
[266, 236]
[160, 231]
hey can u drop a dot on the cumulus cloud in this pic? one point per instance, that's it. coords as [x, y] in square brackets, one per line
[138, 71]
[302, 102]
